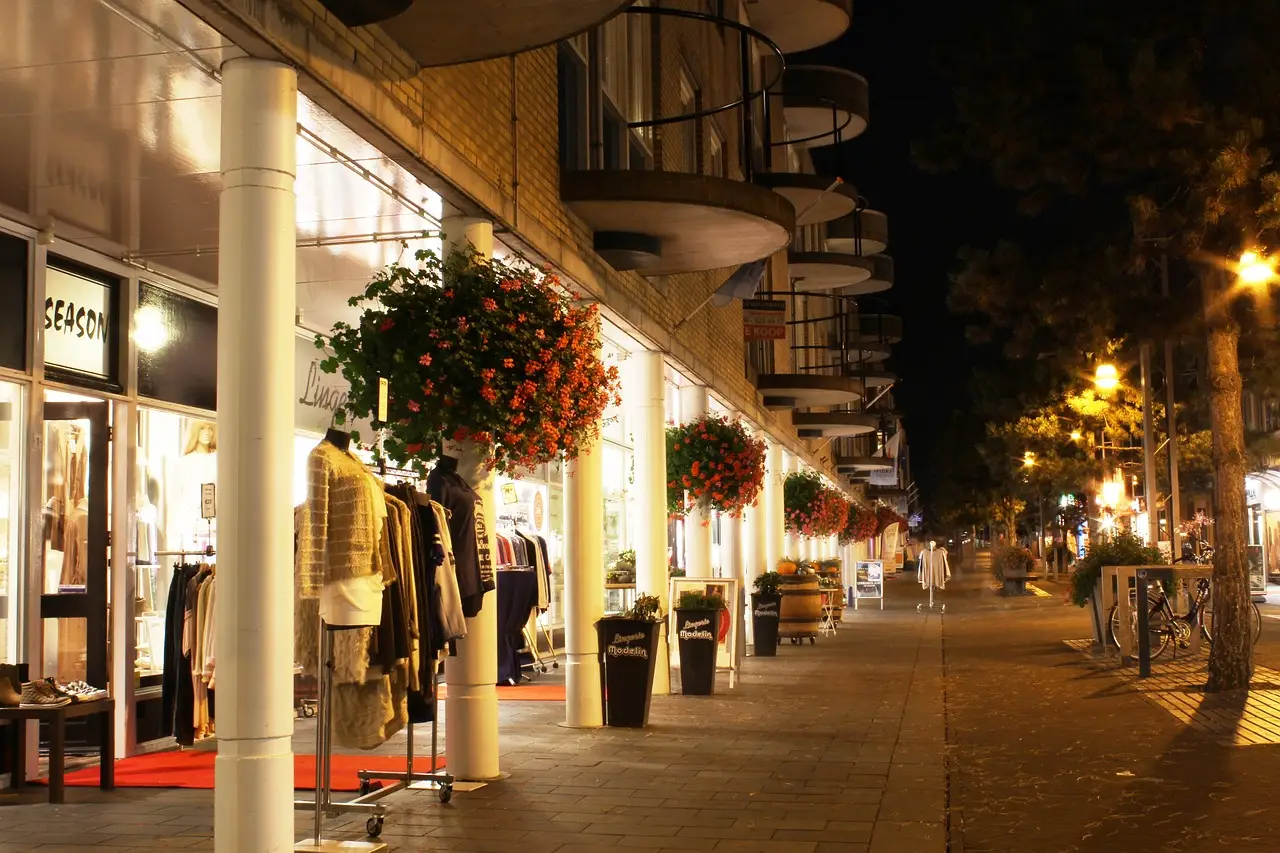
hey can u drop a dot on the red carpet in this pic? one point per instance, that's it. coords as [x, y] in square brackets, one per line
[523, 693]
[194, 769]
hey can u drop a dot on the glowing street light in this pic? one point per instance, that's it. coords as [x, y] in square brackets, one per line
[1255, 269]
[1075, 435]
[1106, 378]
[1028, 459]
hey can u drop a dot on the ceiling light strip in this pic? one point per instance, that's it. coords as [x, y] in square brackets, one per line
[310, 243]
[166, 40]
[209, 69]
[386, 188]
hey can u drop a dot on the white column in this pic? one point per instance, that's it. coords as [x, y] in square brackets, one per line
[772, 518]
[733, 565]
[643, 395]
[471, 703]
[584, 586]
[697, 527]
[791, 541]
[253, 791]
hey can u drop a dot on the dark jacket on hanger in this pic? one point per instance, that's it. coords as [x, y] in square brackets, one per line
[472, 559]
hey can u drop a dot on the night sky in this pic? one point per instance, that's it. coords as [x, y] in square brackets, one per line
[931, 217]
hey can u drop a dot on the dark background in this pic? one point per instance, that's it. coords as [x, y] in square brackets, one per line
[893, 44]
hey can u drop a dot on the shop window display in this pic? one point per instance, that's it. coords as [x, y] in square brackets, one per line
[11, 451]
[176, 459]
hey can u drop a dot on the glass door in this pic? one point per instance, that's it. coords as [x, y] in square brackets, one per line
[74, 518]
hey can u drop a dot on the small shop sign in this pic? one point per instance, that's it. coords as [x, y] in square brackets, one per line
[764, 320]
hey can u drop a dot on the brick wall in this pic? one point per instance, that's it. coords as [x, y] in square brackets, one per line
[485, 135]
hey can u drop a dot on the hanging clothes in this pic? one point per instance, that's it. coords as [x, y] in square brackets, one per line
[935, 571]
[473, 560]
[176, 690]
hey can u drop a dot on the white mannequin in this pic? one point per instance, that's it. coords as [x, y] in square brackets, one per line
[935, 571]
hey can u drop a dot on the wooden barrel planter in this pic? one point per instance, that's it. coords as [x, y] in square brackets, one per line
[801, 608]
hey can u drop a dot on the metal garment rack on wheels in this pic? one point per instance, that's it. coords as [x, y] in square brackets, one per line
[367, 803]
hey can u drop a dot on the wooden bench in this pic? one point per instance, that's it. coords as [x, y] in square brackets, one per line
[1017, 584]
[103, 709]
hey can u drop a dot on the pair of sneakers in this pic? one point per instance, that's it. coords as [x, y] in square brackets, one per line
[79, 691]
[42, 693]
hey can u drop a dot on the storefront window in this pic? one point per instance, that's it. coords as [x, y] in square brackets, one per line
[177, 461]
[12, 449]
[534, 505]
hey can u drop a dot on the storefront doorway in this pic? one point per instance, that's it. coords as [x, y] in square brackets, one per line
[74, 531]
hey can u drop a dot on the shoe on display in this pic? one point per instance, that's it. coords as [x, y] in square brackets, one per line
[10, 696]
[38, 694]
[79, 691]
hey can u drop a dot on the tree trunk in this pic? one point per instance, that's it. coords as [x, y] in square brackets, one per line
[1231, 658]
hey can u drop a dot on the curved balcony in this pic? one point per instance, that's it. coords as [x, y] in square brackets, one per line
[885, 493]
[865, 232]
[796, 25]
[872, 376]
[662, 223]
[833, 424]
[814, 272]
[874, 329]
[807, 390]
[824, 105]
[862, 464]
[451, 32]
[880, 280]
[809, 195]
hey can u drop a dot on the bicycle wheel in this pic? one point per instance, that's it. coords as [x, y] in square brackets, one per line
[1157, 629]
[1255, 628]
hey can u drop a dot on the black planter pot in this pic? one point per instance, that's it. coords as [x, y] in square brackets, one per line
[628, 657]
[765, 610]
[699, 635]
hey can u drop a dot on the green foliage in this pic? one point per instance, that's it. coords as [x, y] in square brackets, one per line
[646, 608]
[1012, 560]
[1121, 549]
[1127, 137]
[768, 583]
[693, 599]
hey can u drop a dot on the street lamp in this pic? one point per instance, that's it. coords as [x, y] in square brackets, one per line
[1028, 459]
[1255, 269]
[1075, 435]
[1106, 378]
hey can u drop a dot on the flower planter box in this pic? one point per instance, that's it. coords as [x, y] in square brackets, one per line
[765, 612]
[628, 658]
[698, 633]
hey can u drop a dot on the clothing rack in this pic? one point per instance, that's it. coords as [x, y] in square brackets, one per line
[367, 803]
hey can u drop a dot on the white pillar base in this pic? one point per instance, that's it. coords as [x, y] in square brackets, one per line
[471, 705]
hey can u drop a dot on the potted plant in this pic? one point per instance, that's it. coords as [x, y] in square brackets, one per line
[623, 570]
[1120, 549]
[698, 631]
[628, 656]
[766, 607]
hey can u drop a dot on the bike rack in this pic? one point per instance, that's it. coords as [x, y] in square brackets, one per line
[1116, 584]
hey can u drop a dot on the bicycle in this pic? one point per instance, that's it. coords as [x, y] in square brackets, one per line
[1167, 627]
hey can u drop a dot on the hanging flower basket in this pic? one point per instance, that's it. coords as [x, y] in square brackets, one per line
[860, 525]
[713, 463]
[885, 516]
[812, 508]
[474, 350]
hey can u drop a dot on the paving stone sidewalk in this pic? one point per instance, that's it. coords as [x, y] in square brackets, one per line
[832, 748]
[1056, 752]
